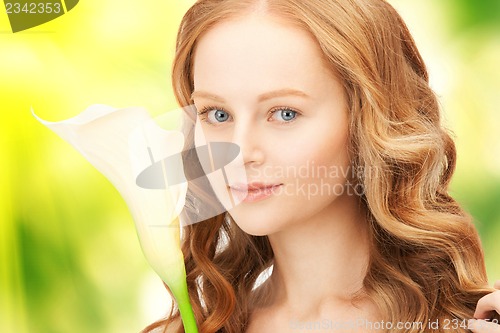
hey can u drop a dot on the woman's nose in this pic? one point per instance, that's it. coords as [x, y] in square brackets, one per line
[250, 141]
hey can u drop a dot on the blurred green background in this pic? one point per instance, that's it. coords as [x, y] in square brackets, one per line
[70, 260]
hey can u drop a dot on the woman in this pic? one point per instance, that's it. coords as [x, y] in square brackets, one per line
[367, 238]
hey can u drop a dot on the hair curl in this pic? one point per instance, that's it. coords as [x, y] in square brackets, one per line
[426, 261]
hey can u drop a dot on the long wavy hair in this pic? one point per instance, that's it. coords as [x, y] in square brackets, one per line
[426, 261]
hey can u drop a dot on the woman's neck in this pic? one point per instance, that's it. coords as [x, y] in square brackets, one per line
[321, 263]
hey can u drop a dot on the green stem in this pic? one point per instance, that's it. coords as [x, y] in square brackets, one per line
[182, 297]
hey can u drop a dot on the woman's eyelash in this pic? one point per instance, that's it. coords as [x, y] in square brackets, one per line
[206, 109]
[205, 117]
[284, 108]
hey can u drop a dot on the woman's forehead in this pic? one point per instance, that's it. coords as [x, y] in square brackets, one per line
[258, 50]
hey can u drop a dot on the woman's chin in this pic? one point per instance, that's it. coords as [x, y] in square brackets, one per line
[255, 225]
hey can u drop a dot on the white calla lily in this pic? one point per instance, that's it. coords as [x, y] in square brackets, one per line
[121, 143]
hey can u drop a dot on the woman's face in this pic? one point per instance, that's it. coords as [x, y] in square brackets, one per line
[262, 84]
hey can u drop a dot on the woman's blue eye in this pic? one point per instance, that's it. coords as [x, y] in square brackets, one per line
[219, 115]
[285, 114]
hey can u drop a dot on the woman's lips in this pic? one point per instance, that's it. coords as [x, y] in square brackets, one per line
[253, 192]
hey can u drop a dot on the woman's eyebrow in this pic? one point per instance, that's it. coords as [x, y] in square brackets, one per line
[261, 98]
[207, 95]
[281, 93]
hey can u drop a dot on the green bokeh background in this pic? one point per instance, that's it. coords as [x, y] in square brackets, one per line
[70, 260]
